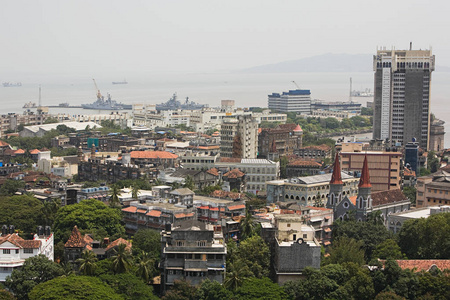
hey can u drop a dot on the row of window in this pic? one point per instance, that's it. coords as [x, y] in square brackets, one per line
[25, 250]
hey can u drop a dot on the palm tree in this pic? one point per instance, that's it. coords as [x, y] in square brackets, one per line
[189, 183]
[236, 275]
[247, 224]
[145, 266]
[121, 261]
[87, 262]
[49, 210]
[115, 193]
[135, 191]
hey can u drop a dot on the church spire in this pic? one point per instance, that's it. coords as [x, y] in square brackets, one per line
[336, 176]
[364, 181]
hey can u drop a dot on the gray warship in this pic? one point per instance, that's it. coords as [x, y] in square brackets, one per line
[174, 104]
[106, 104]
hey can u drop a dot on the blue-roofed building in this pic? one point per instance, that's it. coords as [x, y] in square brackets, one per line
[298, 101]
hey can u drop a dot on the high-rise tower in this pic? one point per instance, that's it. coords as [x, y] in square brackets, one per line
[402, 95]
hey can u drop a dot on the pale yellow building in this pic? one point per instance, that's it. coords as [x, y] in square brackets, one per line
[433, 189]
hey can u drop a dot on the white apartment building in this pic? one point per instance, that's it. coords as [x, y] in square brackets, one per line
[298, 101]
[14, 250]
[239, 137]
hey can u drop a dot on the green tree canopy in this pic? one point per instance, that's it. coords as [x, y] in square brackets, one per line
[426, 238]
[148, 240]
[74, 287]
[90, 216]
[260, 288]
[129, 286]
[35, 270]
[345, 249]
[24, 212]
[212, 290]
[10, 187]
[388, 249]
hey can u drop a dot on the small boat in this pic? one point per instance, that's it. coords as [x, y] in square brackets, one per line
[120, 82]
[29, 105]
[12, 84]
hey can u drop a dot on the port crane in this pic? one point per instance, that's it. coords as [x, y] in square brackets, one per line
[99, 95]
[296, 84]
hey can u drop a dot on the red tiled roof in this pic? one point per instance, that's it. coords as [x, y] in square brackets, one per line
[87, 238]
[214, 209]
[189, 215]
[423, 265]
[118, 242]
[319, 208]
[408, 172]
[213, 171]
[204, 207]
[15, 239]
[75, 240]
[19, 151]
[328, 229]
[154, 213]
[131, 209]
[141, 211]
[235, 207]
[3, 144]
[353, 199]
[305, 163]
[35, 151]
[153, 154]
[179, 216]
[386, 197]
[235, 173]
[298, 128]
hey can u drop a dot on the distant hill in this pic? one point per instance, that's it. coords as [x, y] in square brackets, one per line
[328, 62]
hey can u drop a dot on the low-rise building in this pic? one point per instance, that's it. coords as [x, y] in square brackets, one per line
[396, 220]
[314, 152]
[193, 253]
[16, 249]
[433, 189]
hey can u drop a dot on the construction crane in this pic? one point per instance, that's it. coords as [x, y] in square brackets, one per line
[296, 84]
[99, 95]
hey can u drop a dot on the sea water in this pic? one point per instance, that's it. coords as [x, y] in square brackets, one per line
[207, 88]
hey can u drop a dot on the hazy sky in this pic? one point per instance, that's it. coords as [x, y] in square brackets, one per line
[123, 37]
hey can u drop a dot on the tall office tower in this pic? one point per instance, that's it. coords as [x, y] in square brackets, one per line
[402, 95]
[298, 101]
[239, 137]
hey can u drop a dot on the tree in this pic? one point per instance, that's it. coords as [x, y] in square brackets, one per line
[35, 270]
[121, 261]
[432, 162]
[410, 193]
[212, 290]
[424, 172]
[345, 249]
[24, 212]
[254, 253]
[5, 295]
[260, 288]
[74, 288]
[388, 249]
[247, 225]
[189, 183]
[371, 233]
[426, 238]
[129, 286]
[135, 191]
[145, 266]
[90, 216]
[114, 200]
[149, 241]
[87, 262]
[10, 187]
[181, 290]
[49, 211]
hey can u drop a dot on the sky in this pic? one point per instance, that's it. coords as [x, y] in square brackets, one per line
[99, 37]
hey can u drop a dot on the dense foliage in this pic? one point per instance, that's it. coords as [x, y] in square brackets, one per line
[149, 241]
[24, 212]
[35, 270]
[91, 216]
[426, 238]
[74, 287]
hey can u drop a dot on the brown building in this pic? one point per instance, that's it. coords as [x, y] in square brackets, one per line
[314, 152]
[279, 141]
[301, 167]
[384, 168]
[433, 189]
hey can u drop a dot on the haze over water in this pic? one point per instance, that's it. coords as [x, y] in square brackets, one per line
[207, 88]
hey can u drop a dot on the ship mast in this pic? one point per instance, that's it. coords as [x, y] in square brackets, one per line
[350, 95]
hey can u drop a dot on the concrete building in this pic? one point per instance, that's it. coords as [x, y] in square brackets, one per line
[194, 253]
[279, 141]
[318, 152]
[396, 220]
[437, 134]
[15, 249]
[402, 95]
[239, 137]
[384, 167]
[298, 101]
[295, 248]
[337, 106]
[309, 190]
[433, 189]
[412, 156]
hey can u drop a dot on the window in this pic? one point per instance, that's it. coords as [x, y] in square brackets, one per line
[6, 251]
[305, 235]
[201, 243]
[288, 225]
[180, 243]
[17, 251]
